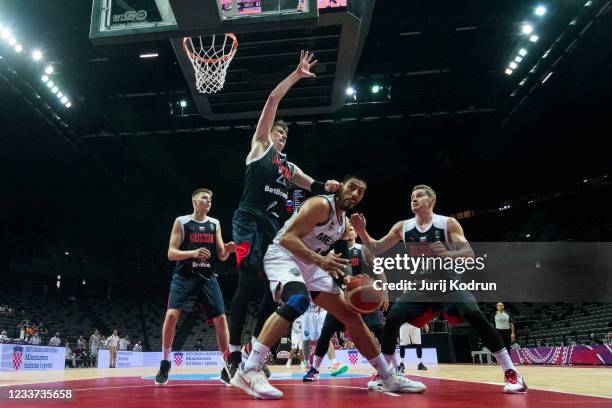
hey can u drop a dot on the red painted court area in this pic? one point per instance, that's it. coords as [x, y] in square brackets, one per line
[131, 392]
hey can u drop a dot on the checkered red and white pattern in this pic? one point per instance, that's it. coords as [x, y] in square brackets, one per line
[17, 357]
[178, 359]
[353, 356]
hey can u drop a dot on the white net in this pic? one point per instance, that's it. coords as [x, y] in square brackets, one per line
[210, 59]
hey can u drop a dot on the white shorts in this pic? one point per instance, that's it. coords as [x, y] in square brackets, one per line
[409, 335]
[282, 267]
[313, 324]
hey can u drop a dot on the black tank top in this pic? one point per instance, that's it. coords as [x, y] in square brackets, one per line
[355, 253]
[198, 234]
[266, 182]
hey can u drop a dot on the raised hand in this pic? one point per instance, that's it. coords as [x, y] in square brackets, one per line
[305, 65]
[358, 222]
[331, 186]
[230, 247]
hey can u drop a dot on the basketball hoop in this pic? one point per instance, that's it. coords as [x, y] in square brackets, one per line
[210, 60]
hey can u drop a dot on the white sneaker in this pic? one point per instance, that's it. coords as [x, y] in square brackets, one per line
[514, 383]
[255, 384]
[375, 383]
[398, 383]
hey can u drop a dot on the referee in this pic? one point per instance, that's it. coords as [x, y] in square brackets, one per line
[504, 325]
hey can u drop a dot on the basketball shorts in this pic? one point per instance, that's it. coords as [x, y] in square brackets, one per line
[253, 230]
[282, 267]
[409, 334]
[187, 291]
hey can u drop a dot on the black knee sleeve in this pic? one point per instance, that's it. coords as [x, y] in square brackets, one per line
[296, 301]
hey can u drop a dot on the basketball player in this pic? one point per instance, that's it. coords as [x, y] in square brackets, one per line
[374, 321]
[257, 218]
[410, 337]
[95, 341]
[195, 242]
[298, 273]
[296, 342]
[444, 237]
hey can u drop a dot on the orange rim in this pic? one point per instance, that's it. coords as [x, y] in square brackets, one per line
[212, 60]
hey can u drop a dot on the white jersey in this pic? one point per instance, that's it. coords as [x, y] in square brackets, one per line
[323, 236]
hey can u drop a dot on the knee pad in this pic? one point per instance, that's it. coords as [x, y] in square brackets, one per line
[296, 301]
[295, 306]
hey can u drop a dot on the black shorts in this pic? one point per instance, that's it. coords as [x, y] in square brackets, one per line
[253, 230]
[187, 291]
[411, 308]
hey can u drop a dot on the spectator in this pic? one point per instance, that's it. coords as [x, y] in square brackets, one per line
[3, 336]
[70, 357]
[138, 346]
[112, 342]
[35, 339]
[55, 340]
[82, 343]
[608, 339]
[124, 343]
[83, 358]
[199, 346]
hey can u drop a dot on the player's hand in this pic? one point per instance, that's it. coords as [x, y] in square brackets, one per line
[439, 249]
[230, 247]
[333, 264]
[358, 222]
[201, 253]
[385, 301]
[306, 63]
[331, 186]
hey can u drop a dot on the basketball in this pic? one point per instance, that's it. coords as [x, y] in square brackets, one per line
[361, 296]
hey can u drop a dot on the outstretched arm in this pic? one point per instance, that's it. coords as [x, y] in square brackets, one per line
[376, 247]
[264, 126]
[303, 180]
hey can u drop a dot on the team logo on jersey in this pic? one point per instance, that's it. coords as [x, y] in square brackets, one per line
[17, 357]
[178, 359]
[423, 239]
[202, 228]
[353, 356]
[294, 271]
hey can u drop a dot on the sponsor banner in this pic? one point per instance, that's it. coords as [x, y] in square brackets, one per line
[23, 357]
[125, 359]
[589, 355]
[354, 358]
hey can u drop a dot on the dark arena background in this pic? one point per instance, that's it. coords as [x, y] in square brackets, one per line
[503, 107]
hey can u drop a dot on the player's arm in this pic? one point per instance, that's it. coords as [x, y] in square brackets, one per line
[303, 180]
[175, 254]
[264, 126]
[456, 237]
[314, 211]
[223, 250]
[376, 247]
[512, 331]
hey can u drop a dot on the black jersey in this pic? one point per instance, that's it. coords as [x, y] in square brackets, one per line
[356, 258]
[266, 182]
[198, 234]
[418, 243]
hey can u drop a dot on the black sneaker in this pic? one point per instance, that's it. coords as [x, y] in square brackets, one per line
[401, 369]
[234, 363]
[225, 375]
[421, 366]
[162, 375]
